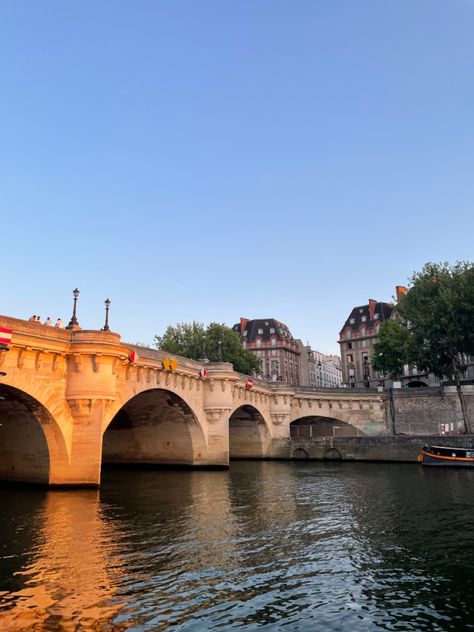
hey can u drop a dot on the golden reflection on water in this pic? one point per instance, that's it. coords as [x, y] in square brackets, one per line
[69, 583]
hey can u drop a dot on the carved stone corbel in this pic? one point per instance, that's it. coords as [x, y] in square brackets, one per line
[77, 360]
[20, 360]
[139, 374]
[81, 407]
[279, 418]
[38, 360]
[95, 362]
[215, 414]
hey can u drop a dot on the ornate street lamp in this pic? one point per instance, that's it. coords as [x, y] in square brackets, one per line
[107, 305]
[73, 322]
[219, 350]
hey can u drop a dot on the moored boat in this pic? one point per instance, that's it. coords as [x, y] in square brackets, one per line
[446, 456]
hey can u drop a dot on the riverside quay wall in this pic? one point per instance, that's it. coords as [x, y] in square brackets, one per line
[401, 448]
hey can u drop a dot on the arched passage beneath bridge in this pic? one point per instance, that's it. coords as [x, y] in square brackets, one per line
[249, 436]
[156, 427]
[31, 441]
[316, 426]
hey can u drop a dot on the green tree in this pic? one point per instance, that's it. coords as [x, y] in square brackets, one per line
[437, 316]
[391, 352]
[185, 339]
[192, 340]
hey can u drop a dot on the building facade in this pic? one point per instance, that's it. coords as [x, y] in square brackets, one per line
[357, 339]
[271, 341]
[317, 369]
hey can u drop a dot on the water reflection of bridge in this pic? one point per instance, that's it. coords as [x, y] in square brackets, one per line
[71, 399]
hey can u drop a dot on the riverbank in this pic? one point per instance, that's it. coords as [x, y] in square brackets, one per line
[398, 448]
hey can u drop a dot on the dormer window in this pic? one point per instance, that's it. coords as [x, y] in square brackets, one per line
[274, 342]
[266, 323]
[364, 319]
[272, 330]
[245, 333]
[352, 321]
[260, 332]
[376, 316]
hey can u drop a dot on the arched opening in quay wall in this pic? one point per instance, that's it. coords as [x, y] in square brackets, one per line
[316, 426]
[25, 428]
[249, 436]
[156, 427]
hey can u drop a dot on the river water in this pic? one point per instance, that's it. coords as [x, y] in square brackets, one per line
[273, 545]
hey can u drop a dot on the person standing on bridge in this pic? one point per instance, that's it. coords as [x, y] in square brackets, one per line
[32, 319]
[48, 321]
[59, 324]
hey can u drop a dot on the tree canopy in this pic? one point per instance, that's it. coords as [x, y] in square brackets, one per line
[433, 326]
[192, 340]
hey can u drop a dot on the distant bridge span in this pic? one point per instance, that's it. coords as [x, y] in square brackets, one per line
[71, 400]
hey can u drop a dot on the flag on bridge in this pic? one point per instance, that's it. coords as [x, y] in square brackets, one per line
[5, 336]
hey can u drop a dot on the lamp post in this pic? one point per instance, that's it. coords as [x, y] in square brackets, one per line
[219, 350]
[107, 305]
[73, 324]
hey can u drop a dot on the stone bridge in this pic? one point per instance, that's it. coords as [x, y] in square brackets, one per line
[71, 400]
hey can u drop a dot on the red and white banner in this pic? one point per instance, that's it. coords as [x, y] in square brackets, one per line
[203, 372]
[133, 357]
[249, 383]
[5, 336]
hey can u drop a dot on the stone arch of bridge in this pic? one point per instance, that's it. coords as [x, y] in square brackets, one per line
[249, 433]
[156, 427]
[313, 426]
[33, 448]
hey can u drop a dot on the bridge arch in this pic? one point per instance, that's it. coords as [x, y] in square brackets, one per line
[249, 434]
[32, 446]
[156, 427]
[314, 426]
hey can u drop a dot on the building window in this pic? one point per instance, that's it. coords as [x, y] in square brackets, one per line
[260, 332]
[364, 319]
[362, 331]
[348, 334]
[350, 358]
[274, 342]
[244, 344]
[272, 330]
[259, 342]
[349, 345]
[352, 321]
[245, 332]
[376, 316]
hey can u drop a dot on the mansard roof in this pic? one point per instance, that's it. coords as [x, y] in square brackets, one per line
[281, 331]
[382, 310]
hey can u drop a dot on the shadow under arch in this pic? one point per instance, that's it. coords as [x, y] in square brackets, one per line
[249, 436]
[417, 384]
[155, 427]
[318, 426]
[31, 441]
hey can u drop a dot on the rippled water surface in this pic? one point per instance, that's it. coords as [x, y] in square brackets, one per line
[297, 546]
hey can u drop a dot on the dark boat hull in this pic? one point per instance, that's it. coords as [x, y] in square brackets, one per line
[442, 460]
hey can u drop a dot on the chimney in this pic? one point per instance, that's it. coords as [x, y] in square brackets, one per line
[372, 304]
[243, 326]
[401, 292]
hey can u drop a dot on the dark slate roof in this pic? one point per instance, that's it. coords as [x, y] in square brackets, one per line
[281, 330]
[384, 311]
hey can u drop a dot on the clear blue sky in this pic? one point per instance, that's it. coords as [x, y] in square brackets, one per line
[215, 159]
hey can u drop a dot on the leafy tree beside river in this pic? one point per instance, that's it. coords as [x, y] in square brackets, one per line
[433, 326]
[193, 340]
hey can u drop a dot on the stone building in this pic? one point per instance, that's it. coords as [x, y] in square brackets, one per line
[273, 344]
[318, 369]
[357, 338]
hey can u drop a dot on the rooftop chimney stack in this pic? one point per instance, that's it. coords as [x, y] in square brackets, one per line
[401, 292]
[372, 304]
